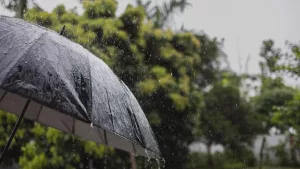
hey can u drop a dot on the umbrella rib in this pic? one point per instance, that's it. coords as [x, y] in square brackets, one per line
[3, 96]
[14, 130]
[102, 139]
[134, 150]
[134, 122]
[111, 115]
[105, 137]
[38, 115]
[64, 124]
[132, 116]
[90, 107]
[73, 126]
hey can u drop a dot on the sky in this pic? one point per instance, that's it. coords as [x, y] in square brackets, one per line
[243, 24]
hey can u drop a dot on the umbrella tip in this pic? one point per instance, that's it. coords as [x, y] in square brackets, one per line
[62, 30]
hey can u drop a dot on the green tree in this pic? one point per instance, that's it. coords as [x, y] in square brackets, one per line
[161, 15]
[227, 118]
[270, 56]
[50, 148]
[288, 64]
[18, 6]
[273, 92]
[278, 62]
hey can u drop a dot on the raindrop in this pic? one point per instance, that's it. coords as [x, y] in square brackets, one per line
[164, 163]
[92, 125]
[157, 160]
[147, 155]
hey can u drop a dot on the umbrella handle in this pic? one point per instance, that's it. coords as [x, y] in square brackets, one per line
[14, 131]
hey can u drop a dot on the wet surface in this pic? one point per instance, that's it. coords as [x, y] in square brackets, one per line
[41, 65]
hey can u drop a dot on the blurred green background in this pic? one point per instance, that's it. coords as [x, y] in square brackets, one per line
[202, 113]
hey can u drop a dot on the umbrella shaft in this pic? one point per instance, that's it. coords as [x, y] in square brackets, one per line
[14, 131]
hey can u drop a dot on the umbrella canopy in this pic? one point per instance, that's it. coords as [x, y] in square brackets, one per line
[58, 83]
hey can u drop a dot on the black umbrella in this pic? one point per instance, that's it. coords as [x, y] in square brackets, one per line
[49, 79]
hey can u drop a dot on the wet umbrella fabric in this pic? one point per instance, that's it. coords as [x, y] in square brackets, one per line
[60, 84]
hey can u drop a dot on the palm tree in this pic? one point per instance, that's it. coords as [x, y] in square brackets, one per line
[161, 15]
[18, 6]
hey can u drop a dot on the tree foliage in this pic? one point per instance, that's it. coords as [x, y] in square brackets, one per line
[286, 114]
[161, 15]
[228, 118]
[18, 6]
[277, 103]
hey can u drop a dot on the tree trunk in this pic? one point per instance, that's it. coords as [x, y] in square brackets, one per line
[261, 153]
[210, 158]
[91, 164]
[22, 6]
[132, 161]
[293, 152]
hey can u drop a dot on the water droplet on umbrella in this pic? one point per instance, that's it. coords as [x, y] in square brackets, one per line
[147, 155]
[164, 163]
[157, 160]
